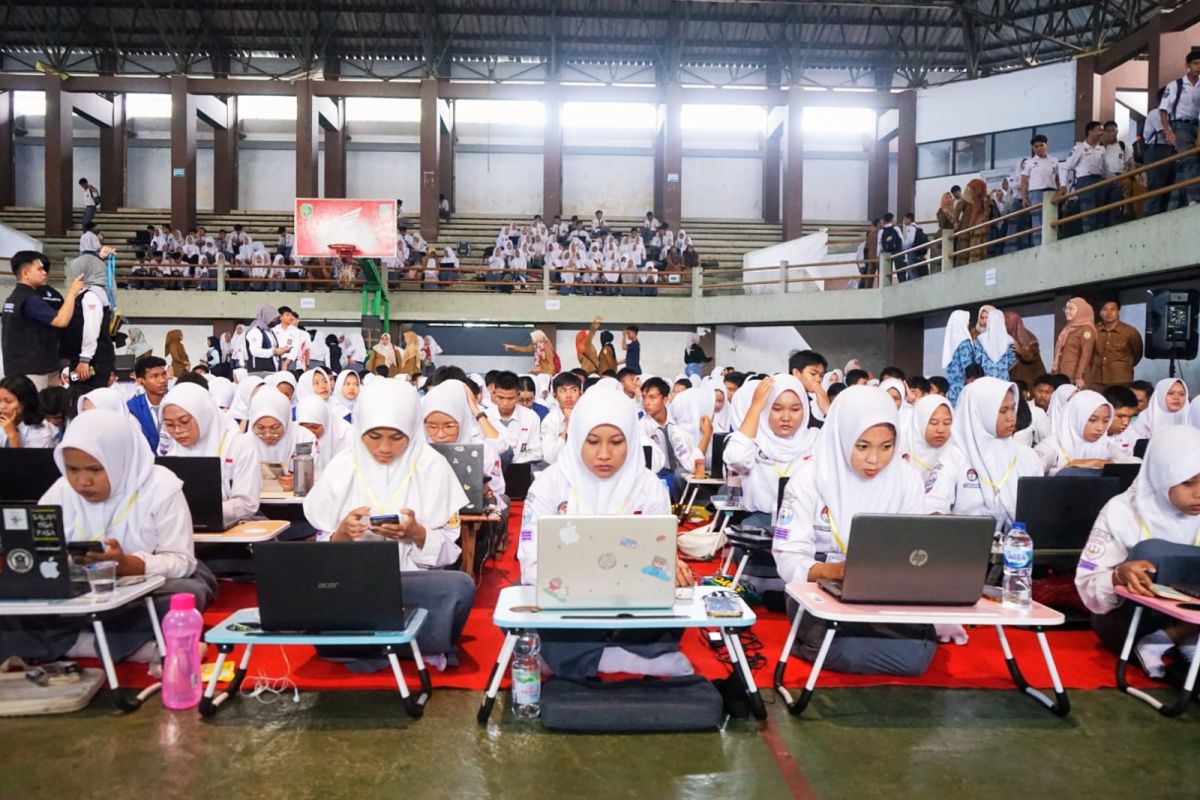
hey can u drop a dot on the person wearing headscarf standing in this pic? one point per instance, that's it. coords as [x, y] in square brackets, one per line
[855, 471]
[262, 347]
[993, 346]
[384, 354]
[601, 472]
[544, 359]
[1029, 365]
[1150, 534]
[390, 469]
[176, 353]
[410, 356]
[958, 352]
[608, 354]
[86, 342]
[1074, 346]
[112, 492]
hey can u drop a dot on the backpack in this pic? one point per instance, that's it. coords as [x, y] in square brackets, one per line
[890, 240]
[920, 238]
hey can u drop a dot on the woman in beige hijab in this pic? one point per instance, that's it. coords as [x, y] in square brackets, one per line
[384, 354]
[410, 357]
[1073, 349]
[176, 353]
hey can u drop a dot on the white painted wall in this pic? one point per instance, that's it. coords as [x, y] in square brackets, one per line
[266, 179]
[148, 182]
[378, 173]
[1011, 100]
[621, 185]
[726, 188]
[489, 183]
[763, 348]
[835, 189]
[30, 173]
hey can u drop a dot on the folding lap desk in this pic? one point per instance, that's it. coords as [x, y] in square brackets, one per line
[824, 606]
[226, 639]
[684, 614]
[87, 605]
[1172, 609]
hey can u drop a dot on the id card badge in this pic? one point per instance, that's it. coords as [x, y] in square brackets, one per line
[836, 557]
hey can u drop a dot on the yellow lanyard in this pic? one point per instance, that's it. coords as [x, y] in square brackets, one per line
[375, 504]
[787, 471]
[837, 539]
[1146, 534]
[996, 487]
[589, 510]
[117, 520]
[919, 462]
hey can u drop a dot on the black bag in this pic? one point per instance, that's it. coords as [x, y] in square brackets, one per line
[690, 703]
[890, 240]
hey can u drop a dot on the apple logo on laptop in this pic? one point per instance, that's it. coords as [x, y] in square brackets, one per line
[568, 534]
[49, 570]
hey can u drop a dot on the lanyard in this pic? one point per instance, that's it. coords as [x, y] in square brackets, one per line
[1146, 534]
[117, 520]
[837, 539]
[375, 504]
[919, 462]
[996, 487]
[787, 471]
[589, 510]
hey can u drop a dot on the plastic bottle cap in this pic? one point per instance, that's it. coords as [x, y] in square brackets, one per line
[183, 602]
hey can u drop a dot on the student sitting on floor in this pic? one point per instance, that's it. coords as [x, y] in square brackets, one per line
[285, 383]
[567, 388]
[771, 442]
[197, 428]
[1149, 534]
[926, 442]
[316, 383]
[112, 492]
[390, 469]
[673, 456]
[274, 436]
[1168, 406]
[1080, 443]
[345, 394]
[1124, 404]
[333, 434]
[600, 472]
[980, 477]
[854, 472]
[21, 424]
[239, 412]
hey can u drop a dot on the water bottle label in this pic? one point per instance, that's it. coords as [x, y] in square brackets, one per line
[1017, 557]
[527, 687]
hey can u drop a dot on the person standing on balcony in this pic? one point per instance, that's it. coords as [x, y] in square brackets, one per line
[1086, 163]
[1155, 138]
[1039, 173]
[1177, 113]
[91, 199]
[1114, 165]
[1118, 349]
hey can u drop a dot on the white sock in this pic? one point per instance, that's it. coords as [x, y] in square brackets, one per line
[84, 647]
[435, 660]
[1150, 651]
[668, 665]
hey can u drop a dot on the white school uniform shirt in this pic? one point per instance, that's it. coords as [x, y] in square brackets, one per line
[40, 435]
[1152, 130]
[89, 199]
[1037, 431]
[292, 338]
[259, 348]
[1086, 161]
[1114, 159]
[552, 434]
[684, 449]
[523, 433]
[94, 302]
[1189, 102]
[760, 475]
[1042, 172]
[957, 488]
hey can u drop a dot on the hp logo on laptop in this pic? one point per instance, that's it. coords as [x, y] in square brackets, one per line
[918, 558]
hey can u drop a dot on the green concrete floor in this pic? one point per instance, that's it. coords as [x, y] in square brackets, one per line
[852, 743]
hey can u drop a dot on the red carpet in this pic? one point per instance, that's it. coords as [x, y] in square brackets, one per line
[1082, 664]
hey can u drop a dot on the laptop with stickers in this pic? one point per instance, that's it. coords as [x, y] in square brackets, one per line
[34, 563]
[467, 462]
[606, 562]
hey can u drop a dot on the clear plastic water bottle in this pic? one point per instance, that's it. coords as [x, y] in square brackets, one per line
[734, 482]
[181, 628]
[1018, 567]
[527, 676]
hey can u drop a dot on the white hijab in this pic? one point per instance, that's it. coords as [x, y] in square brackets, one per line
[974, 433]
[774, 446]
[200, 405]
[240, 409]
[337, 396]
[689, 406]
[106, 436]
[912, 440]
[1157, 415]
[1058, 405]
[995, 340]
[1170, 460]
[957, 331]
[1075, 416]
[419, 478]
[274, 405]
[304, 387]
[843, 491]
[337, 434]
[450, 398]
[1194, 413]
[274, 379]
[741, 402]
[222, 391]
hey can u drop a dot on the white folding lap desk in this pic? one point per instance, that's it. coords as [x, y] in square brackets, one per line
[225, 638]
[87, 606]
[1172, 609]
[692, 488]
[684, 614]
[824, 606]
[280, 499]
[249, 532]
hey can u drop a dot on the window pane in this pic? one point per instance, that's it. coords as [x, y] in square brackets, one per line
[933, 159]
[972, 154]
[1061, 136]
[1011, 147]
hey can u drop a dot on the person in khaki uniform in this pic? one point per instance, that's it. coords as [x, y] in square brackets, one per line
[1074, 347]
[1118, 349]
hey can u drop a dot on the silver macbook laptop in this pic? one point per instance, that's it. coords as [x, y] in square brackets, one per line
[606, 562]
[912, 559]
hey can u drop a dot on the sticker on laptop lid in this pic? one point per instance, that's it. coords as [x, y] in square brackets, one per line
[16, 519]
[657, 569]
[568, 534]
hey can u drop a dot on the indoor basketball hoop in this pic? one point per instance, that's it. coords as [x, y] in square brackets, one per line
[346, 252]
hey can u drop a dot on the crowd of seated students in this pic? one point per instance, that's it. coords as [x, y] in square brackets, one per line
[615, 442]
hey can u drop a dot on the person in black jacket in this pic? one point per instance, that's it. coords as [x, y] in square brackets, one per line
[694, 356]
[33, 316]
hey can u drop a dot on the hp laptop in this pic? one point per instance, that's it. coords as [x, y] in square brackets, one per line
[467, 462]
[915, 560]
[27, 473]
[34, 564]
[329, 587]
[1125, 473]
[606, 562]
[1059, 512]
[201, 488]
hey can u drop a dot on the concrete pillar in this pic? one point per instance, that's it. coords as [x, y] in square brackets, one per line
[308, 141]
[660, 143]
[552, 139]
[113, 160]
[8, 183]
[906, 153]
[905, 342]
[770, 179]
[225, 161]
[431, 141]
[672, 206]
[335, 152]
[60, 162]
[793, 165]
[446, 155]
[877, 178]
[1087, 93]
[183, 155]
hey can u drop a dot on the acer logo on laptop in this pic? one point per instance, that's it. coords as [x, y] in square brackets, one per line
[328, 584]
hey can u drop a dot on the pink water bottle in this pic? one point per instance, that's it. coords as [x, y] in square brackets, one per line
[181, 670]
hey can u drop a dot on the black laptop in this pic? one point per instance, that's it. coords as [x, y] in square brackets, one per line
[330, 587]
[34, 564]
[648, 455]
[718, 455]
[26, 473]
[1125, 473]
[467, 462]
[1059, 512]
[201, 488]
[1139, 448]
[911, 559]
